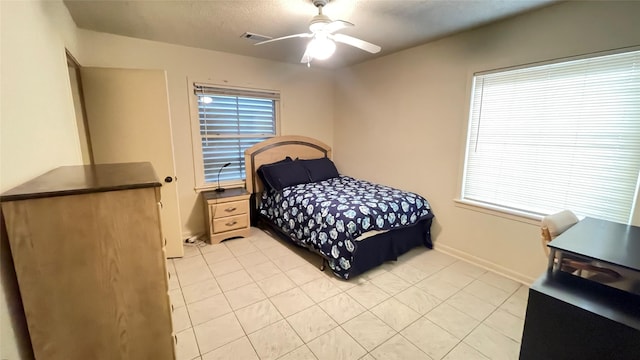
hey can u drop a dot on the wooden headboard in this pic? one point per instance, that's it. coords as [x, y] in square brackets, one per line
[276, 149]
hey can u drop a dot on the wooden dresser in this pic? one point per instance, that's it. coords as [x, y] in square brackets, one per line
[227, 214]
[89, 257]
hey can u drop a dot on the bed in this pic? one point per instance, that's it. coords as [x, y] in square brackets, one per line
[353, 224]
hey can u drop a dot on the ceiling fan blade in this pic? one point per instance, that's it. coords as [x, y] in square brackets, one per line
[336, 25]
[303, 35]
[360, 44]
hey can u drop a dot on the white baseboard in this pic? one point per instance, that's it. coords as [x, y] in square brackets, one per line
[488, 265]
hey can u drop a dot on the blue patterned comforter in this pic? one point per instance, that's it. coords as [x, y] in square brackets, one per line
[329, 215]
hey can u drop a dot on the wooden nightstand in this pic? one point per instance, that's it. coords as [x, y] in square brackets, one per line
[227, 214]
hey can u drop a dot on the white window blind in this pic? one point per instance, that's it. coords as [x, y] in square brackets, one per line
[231, 121]
[557, 136]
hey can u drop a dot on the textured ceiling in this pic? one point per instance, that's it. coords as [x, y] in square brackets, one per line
[219, 24]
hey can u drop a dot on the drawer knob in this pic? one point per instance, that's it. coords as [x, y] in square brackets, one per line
[231, 223]
[231, 209]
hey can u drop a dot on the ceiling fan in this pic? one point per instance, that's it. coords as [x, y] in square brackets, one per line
[324, 37]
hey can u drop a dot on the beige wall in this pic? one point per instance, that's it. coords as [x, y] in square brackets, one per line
[410, 106]
[306, 105]
[406, 114]
[37, 125]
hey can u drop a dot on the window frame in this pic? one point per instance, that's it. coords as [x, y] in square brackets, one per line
[196, 138]
[503, 211]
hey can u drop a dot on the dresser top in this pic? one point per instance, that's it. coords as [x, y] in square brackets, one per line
[84, 179]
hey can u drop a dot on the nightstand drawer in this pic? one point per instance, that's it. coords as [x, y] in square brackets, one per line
[230, 223]
[231, 208]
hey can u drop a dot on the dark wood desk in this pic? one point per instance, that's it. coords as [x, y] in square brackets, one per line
[605, 241]
[569, 317]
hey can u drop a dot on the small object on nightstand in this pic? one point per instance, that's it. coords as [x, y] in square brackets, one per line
[219, 189]
[227, 214]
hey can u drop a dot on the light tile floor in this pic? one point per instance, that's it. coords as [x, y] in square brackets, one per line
[261, 298]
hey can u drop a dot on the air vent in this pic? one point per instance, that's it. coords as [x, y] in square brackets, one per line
[255, 37]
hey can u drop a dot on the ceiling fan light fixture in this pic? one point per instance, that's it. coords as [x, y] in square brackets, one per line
[321, 48]
[318, 23]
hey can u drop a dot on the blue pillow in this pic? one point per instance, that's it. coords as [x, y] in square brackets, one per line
[320, 169]
[289, 173]
[260, 170]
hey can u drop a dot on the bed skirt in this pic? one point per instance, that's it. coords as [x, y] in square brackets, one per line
[377, 249]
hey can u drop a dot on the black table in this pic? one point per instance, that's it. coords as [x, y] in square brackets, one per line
[605, 241]
[569, 317]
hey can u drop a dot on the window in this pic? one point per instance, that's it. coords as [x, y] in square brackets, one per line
[228, 122]
[557, 136]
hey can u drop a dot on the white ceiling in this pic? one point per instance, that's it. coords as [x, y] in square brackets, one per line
[218, 24]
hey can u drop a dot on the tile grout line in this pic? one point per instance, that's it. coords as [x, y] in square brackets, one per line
[284, 318]
[232, 310]
[384, 322]
[482, 322]
[193, 331]
[185, 303]
[342, 291]
[253, 281]
[442, 302]
[315, 303]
